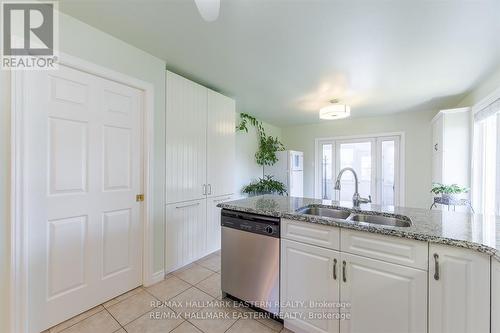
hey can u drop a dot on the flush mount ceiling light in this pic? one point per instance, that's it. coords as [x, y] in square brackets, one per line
[209, 9]
[335, 111]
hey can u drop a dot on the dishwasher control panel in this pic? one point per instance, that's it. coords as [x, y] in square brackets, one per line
[257, 224]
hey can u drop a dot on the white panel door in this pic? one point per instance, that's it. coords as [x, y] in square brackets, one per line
[309, 276]
[459, 290]
[186, 233]
[186, 141]
[221, 144]
[383, 297]
[84, 169]
[214, 222]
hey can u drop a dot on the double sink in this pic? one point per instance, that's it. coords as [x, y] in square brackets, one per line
[391, 221]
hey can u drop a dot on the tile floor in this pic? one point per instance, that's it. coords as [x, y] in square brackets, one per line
[187, 301]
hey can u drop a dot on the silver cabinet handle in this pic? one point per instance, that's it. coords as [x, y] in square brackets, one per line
[209, 189]
[344, 275]
[335, 269]
[188, 205]
[204, 189]
[436, 266]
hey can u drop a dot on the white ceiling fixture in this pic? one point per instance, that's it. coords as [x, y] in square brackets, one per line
[335, 111]
[209, 9]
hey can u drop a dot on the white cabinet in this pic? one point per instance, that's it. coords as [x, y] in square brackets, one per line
[450, 139]
[309, 274]
[383, 297]
[495, 296]
[213, 222]
[200, 158]
[220, 144]
[459, 290]
[186, 131]
[186, 233]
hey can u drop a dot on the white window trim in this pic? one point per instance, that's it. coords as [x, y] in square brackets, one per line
[402, 159]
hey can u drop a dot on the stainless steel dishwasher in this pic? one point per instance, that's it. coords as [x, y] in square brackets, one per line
[250, 251]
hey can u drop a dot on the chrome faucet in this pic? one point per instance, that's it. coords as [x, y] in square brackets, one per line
[356, 198]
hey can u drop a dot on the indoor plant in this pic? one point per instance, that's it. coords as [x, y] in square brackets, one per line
[265, 155]
[448, 192]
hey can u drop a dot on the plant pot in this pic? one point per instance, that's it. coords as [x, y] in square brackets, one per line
[449, 197]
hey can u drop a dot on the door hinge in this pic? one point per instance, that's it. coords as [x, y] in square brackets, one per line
[139, 197]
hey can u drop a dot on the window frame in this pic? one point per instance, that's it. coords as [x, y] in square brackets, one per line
[377, 138]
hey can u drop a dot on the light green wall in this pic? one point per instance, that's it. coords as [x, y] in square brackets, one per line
[82, 41]
[483, 89]
[246, 147]
[418, 136]
[4, 197]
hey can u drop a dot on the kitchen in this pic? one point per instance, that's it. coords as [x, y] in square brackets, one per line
[268, 166]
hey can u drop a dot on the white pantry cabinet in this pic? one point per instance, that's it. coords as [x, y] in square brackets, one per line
[383, 297]
[186, 233]
[200, 159]
[459, 290]
[309, 274]
[220, 144]
[214, 223]
[186, 143]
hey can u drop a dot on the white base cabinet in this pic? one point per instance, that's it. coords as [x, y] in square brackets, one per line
[383, 297]
[213, 222]
[309, 277]
[459, 290]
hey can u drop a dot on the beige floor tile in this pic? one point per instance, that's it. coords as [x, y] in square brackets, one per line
[132, 307]
[190, 301]
[211, 286]
[214, 319]
[74, 320]
[286, 330]
[122, 297]
[121, 330]
[249, 326]
[271, 323]
[168, 288]
[193, 273]
[101, 322]
[211, 262]
[148, 324]
[186, 327]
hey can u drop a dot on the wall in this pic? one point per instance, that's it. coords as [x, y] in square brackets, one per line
[85, 42]
[418, 135]
[488, 85]
[4, 197]
[246, 147]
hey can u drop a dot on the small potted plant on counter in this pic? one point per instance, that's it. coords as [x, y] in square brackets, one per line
[449, 193]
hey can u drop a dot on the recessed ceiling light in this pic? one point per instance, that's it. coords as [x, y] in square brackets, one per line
[335, 111]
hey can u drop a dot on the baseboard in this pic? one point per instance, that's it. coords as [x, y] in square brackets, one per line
[155, 278]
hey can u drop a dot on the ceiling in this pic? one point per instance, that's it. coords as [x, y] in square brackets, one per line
[284, 59]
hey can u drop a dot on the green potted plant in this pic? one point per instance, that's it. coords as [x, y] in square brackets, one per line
[448, 192]
[265, 155]
[266, 185]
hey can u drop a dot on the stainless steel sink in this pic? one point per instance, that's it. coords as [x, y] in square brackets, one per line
[378, 219]
[326, 212]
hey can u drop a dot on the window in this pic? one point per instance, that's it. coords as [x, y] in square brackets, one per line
[375, 160]
[486, 160]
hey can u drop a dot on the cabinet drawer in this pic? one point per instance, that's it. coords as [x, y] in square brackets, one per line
[309, 233]
[396, 250]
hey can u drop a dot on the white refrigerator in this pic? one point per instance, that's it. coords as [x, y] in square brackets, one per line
[290, 171]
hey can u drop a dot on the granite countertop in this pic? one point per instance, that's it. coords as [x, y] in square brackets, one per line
[472, 231]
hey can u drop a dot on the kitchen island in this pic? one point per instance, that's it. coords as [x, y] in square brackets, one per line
[435, 275]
